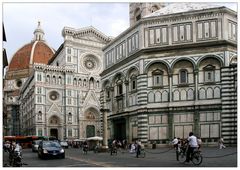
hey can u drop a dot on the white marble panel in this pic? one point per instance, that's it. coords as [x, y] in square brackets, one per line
[164, 119]
[214, 130]
[217, 92]
[187, 129]
[204, 131]
[158, 119]
[183, 95]
[162, 132]
[151, 120]
[153, 133]
[164, 96]
[158, 96]
[178, 131]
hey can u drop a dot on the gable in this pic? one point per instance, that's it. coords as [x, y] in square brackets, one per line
[54, 109]
[91, 100]
[87, 33]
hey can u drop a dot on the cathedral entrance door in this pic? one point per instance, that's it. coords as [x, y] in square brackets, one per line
[90, 130]
[54, 132]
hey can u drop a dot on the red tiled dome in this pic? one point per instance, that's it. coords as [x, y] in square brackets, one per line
[34, 52]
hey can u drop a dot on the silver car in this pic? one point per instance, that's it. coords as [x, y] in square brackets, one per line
[35, 144]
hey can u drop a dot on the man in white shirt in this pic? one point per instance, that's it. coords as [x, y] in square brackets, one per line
[192, 142]
[175, 144]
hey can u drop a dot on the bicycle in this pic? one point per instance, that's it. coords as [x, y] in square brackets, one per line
[113, 151]
[196, 156]
[85, 150]
[142, 153]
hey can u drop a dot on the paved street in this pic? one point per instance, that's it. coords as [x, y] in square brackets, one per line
[161, 157]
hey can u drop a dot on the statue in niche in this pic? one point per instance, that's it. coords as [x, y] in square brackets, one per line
[90, 115]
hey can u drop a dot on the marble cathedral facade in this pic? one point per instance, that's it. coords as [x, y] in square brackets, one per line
[61, 98]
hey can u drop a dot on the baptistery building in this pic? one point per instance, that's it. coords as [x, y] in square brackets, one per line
[171, 72]
[61, 97]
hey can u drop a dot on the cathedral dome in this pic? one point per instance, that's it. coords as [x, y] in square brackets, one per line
[35, 52]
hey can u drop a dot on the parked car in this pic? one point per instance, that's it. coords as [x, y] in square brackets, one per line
[47, 149]
[35, 144]
[64, 144]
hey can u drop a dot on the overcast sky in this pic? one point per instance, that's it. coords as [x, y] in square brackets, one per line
[20, 20]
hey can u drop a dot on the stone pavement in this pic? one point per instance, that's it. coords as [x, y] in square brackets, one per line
[160, 157]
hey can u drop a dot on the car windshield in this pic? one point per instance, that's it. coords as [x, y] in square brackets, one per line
[51, 144]
[36, 142]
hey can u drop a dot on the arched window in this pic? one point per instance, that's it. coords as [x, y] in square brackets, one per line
[48, 79]
[74, 81]
[183, 76]
[133, 82]
[107, 90]
[157, 76]
[59, 80]
[80, 82]
[70, 117]
[209, 72]
[97, 84]
[39, 116]
[119, 87]
[91, 83]
[54, 80]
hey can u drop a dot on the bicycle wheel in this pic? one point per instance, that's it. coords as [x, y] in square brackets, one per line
[197, 158]
[181, 156]
[143, 154]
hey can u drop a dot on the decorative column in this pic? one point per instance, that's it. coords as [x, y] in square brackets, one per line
[196, 116]
[105, 140]
[170, 87]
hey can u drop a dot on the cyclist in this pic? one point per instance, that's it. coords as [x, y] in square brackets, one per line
[192, 145]
[85, 147]
[138, 148]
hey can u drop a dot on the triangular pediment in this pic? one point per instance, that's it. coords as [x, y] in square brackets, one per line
[87, 33]
[54, 109]
[91, 99]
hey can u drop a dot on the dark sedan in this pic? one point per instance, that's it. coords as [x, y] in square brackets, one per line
[47, 149]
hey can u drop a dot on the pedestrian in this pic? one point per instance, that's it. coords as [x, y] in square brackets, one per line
[221, 143]
[192, 145]
[199, 141]
[175, 145]
[132, 148]
[138, 148]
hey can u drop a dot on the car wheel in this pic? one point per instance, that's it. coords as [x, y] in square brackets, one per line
[63, 156]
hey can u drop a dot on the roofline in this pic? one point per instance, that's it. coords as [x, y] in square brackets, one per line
[56, 53]
[143, 20]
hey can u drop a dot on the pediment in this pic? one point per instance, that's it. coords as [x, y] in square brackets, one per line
[87, 33]
[54, 109]
[91, 37]
[91, 99]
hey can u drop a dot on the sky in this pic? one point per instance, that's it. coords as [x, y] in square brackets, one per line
[21, 19]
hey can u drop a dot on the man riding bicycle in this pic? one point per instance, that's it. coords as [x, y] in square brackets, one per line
[192, 145]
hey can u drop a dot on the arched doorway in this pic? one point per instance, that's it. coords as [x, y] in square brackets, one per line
[54, 132]
[119, 126]
[90, 131]
[54, 122]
